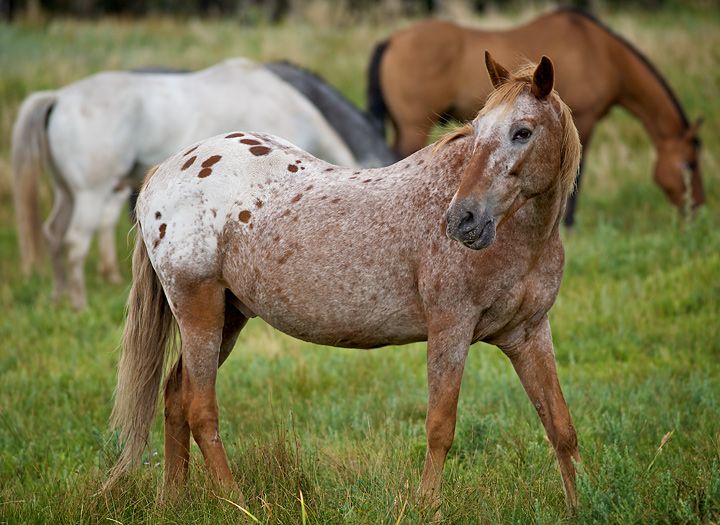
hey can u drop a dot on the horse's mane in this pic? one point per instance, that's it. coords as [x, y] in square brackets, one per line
[507, 94]
[635, 52]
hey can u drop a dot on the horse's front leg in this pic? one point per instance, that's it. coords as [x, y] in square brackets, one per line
[446, 352]
[534, 361]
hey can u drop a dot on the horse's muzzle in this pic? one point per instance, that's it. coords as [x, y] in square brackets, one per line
[468, 225]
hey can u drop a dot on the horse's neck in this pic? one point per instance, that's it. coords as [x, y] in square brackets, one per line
[644, 94]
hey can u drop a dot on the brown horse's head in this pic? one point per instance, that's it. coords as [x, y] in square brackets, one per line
[525, 144]
[677, 169]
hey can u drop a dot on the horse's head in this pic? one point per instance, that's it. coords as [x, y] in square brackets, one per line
[677, 169]
[525, 144]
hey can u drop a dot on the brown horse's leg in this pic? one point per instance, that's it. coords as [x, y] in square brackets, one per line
[585, 126]
[200, 309]
[534, 362]
[177, 428]
[447, 350]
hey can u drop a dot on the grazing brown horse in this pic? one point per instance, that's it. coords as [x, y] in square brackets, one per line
[457, 243]
[433, 70]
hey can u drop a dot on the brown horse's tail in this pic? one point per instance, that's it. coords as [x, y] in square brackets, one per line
[30, 154]
[149, 329]
[376, 108]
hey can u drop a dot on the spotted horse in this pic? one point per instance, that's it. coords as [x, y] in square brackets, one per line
[455, 244]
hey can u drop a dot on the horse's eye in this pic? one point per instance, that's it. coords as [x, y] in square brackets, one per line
[521, 135]
[691, 164]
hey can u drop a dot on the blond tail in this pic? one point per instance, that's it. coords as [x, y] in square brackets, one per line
[30, 155]
[149, 329]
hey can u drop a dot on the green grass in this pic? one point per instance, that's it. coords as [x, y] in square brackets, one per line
[636, 328]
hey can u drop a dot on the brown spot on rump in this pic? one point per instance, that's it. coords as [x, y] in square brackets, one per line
[213, 211]
[292, 168]
[260, 150]
[323, 197]
[259, 203]
[234, 135]
[285, 213]
[244, 216]
[205, 172]
[188, 152]
[367, 180]
[155, 244]
[309, 187]
[163, 228]
[188, 163]
[158, 215]
[250, 142]
[335, 200]
[329, 169]
[296, 198]
[298, 161]
[302, 167]
[420, 162]
[211, 160]
[285, 257]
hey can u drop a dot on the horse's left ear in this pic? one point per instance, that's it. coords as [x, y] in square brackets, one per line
[543, 78]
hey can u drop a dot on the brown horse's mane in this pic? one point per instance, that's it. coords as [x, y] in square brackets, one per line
[506, 94]
[668, 90]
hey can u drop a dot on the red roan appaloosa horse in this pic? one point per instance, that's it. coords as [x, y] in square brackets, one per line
[457, 243]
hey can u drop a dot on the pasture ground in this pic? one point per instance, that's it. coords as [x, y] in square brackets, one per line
[636, 328]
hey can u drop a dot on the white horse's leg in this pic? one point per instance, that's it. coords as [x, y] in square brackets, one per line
[107, 265]
[87, 213]
[54, 230]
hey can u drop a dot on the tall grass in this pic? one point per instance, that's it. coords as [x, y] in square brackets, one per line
[322, 435]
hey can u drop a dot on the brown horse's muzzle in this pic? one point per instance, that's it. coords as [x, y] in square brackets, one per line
[471, 224]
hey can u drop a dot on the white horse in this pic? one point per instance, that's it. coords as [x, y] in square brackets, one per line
[101, 134]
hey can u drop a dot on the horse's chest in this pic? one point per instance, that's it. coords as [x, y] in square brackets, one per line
[518, 300]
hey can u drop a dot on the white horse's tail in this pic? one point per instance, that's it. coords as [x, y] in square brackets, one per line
[30, 155]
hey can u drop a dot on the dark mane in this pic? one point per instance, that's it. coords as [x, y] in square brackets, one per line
[635, 52]
[352, 124]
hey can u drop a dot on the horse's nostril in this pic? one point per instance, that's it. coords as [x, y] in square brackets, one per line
[467, 222]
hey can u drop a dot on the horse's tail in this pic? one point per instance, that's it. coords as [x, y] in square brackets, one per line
[30, 154]
[376, 108]
[149, 329]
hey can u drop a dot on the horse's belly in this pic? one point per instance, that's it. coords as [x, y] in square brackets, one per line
[340, 299]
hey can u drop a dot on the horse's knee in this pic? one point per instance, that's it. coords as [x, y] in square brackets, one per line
[440, 434]
[564, 438]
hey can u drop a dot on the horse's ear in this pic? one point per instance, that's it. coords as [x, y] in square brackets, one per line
[543, 78]
[498, 74]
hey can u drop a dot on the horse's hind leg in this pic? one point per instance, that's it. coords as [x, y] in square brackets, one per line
[534, 362]
[108, 265]
[177, 428]
[200, 312]
[87, 211]
[54, 230]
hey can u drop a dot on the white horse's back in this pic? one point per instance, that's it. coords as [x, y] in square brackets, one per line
[105, 131]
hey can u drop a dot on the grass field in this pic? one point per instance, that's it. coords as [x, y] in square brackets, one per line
[636, 327]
